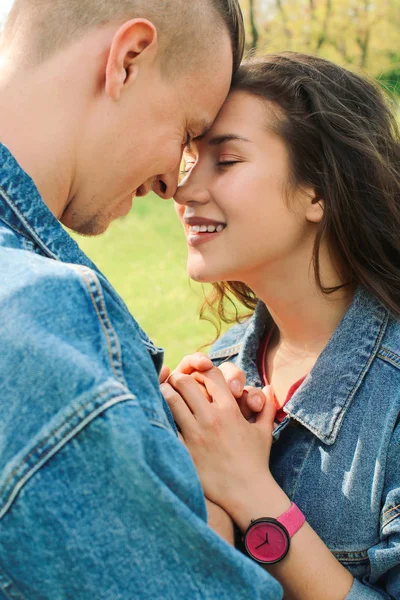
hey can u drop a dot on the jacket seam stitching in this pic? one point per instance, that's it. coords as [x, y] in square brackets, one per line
[390, 509]
[48, 453]
[225, 352]
[115, 356]
[13, 592]
[352, 559]
[32, 232]
[389, 359]
[389, 521]
[16, 229]
[223, 359]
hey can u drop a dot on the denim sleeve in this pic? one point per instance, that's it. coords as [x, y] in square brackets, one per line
[103, 520]
[98, 499]
[384, 580]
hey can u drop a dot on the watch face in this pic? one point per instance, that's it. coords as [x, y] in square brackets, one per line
[267, 541]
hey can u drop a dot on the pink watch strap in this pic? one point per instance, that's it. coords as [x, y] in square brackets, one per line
[292, 519]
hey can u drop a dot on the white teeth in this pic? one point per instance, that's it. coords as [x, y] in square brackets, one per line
[206, 228]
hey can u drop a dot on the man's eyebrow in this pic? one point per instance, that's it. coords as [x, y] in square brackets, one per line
[217, 140]
[203, 128]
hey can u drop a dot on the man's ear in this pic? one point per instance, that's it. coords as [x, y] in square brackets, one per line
[134, 43]
[314, 206]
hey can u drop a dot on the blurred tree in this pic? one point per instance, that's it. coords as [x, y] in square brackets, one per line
[253, 24]
[357, 33]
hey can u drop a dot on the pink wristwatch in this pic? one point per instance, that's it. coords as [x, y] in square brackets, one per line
[268, 540]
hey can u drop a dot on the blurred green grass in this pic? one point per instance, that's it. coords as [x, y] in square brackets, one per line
[144, 257]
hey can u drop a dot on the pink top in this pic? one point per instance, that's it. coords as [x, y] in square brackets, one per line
[261, 362]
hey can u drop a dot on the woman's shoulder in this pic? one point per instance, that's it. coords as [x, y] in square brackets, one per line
[229, 344]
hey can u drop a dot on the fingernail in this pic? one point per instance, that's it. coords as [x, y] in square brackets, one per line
[236, 386]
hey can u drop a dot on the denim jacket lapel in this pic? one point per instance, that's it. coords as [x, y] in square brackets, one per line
[321, 402]
[23, 210]
[326, 394]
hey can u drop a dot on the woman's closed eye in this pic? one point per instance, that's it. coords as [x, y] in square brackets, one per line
[228, 161]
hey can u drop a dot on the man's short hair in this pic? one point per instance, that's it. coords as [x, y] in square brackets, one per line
[181, 24]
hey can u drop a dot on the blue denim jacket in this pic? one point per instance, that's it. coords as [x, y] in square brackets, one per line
[337, 453]
[98, 498]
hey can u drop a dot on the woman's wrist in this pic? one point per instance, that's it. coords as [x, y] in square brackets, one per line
[260, 498]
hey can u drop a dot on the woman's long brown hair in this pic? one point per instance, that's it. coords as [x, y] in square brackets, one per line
[343, 141]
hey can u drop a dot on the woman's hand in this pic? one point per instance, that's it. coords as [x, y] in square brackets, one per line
[250, 399]
[228, 451]
[220, 522]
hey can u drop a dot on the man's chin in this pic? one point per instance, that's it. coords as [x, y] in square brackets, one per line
[93, 227]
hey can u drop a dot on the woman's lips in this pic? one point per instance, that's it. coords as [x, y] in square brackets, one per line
[200, 230]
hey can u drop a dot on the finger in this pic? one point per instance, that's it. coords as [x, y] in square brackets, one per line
[190, 391]
[199, 377]
[218, 389]
[165, 372]
[182, 414]
[255, 399]
[194, 362]
[251, 402]
[244, 409]
[267, 416]
[234, 377]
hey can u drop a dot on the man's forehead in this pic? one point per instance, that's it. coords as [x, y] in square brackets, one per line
[199, 127]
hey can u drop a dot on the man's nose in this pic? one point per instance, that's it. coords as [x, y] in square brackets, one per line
[165, 185]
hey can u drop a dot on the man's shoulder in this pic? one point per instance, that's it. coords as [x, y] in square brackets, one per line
[23, 270]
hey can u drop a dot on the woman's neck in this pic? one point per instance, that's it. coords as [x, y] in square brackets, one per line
[305, 317]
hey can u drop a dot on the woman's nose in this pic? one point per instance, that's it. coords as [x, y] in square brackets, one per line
[191, 193]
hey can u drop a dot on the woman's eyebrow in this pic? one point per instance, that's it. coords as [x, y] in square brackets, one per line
[217, 140]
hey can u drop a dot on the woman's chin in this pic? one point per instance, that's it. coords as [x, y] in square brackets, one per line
[200, 275]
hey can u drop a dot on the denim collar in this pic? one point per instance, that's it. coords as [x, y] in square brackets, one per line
[23, 210]
[338, 372]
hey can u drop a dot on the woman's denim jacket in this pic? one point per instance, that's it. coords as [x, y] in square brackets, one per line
[337, 453]
[98, 498]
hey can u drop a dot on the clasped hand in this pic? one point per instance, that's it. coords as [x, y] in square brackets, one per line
[228, 450]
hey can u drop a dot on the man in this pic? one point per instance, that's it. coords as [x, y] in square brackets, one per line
[98, 498]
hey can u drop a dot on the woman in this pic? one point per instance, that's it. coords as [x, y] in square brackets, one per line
[291, 204]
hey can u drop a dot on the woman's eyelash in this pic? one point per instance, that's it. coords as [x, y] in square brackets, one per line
[227, 163]
[220, 163]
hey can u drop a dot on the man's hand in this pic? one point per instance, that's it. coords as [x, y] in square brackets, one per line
[251, 400]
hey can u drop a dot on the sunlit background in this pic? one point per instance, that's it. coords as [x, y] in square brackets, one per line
[144, 254]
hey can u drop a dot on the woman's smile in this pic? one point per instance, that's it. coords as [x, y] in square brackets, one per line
[200, 230]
